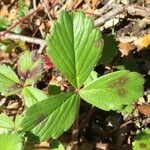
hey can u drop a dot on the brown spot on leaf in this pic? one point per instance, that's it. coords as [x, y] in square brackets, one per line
[142, 145]
[16, 86]
[123, 80]
[122, 92]
[35, 71]
[113, 84]
[99, 43]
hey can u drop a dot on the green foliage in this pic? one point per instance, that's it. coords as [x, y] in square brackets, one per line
[75, 46]
[7, 45]
[6, 123]
[11, 141]
[142, 140]
[23, 8]
[110, 49]
[79, 48]
[113, 90]
[54, 89]
[9, 82]
[51, 117]
[93, 76]
[30, 67]
[32, 95]
[4, 23]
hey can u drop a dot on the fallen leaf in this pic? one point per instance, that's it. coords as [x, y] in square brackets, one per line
[145, 41]
[126, 48]
[144, 109]
[94, 2]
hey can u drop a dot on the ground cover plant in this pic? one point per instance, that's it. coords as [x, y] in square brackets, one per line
[76, 47]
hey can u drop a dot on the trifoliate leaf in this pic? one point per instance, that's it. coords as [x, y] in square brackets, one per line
[51, 117]
[30, 67]
[10, 141]
[113, 90]
[74, 46]
[6, 123]
[9, 82]
[33, 95]
[142, 140]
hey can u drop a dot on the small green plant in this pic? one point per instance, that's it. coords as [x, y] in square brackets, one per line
[74, 46]
[142, 140]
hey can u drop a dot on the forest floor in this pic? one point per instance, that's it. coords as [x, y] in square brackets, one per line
[127, 21]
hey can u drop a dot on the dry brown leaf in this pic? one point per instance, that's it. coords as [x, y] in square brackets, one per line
[126, 48]
[144, 109]
[77, 3]
[94, 2]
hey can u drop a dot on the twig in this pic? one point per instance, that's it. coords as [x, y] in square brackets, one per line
[46, 10]
[75, 131]
[23, 19]
[42, 46]
[24, 38]
[132, 10]
[86, 118]
[109, 15]
[106, 7]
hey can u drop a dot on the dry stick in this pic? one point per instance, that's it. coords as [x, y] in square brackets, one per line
[107, 7]
[86, 119]
[100, 21]
[136, 10]
[75, 130]
[24, 38]
[133, 10]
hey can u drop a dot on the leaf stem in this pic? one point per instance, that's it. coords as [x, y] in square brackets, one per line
[75, 129]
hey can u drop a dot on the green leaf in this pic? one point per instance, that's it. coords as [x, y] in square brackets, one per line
[113, 90]
[6, 123]
[9, 82]
[74, 46]
[32, 95]
[10, 141]
[91, 77]
[4, 22]
[51, 117]
[23, 8]
[7, 45]
[110, 49]
[56, 145]
[30, 67]
[54, 89]
[18, 120]
[142, 140]
[18, 29]
[127, 109]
